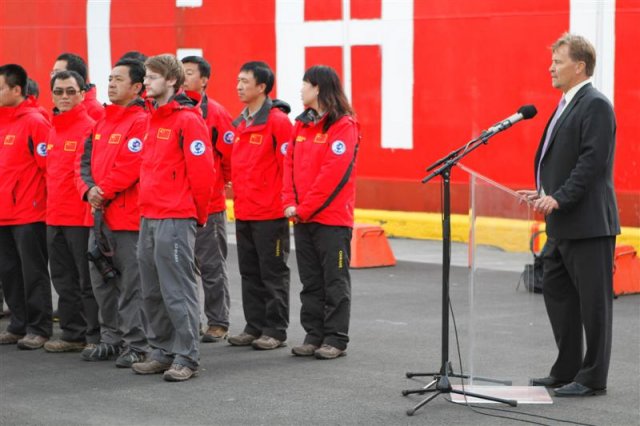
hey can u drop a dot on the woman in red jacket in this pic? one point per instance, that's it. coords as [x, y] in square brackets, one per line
[318, 195]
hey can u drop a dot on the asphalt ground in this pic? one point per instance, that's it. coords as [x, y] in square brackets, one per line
[395, 328]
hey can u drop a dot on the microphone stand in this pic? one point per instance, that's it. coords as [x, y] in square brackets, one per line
[440, 383]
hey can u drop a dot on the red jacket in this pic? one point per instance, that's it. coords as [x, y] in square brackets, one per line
[111, 159]
[256, 164]
[177, 172]
[64, 207]
[320, 173]
[23, 153]
[94, 108]
[218, 121]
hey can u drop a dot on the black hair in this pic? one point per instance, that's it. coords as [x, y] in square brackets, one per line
[134, 54]
[203, 66]
[15, 75]
[64, 75]
[262, 73]
[74, 63]
[331, 96]
[136, 70]
[32, 88]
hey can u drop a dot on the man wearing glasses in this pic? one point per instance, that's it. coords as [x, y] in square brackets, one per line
[69, 218]
[73, 62]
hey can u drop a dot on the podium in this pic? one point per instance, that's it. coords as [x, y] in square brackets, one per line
[497, 340]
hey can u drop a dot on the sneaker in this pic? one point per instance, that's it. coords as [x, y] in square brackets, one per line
[329, 352]
[304, 350]
[60, 345]
[130, 357]
[8, 338]
[100, 352]
[266, 343]
[214, 334]
[242, 339]
[150, 367]
[179, 373]
[32, 341]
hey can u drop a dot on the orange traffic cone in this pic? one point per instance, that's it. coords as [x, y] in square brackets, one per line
[370, 248]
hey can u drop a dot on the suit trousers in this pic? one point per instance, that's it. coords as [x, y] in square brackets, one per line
[211, 259]
[25, 278]
[323, 253]
[578, 294]
[263, 250]
[69, 268]
[119, 299]
[170, 290]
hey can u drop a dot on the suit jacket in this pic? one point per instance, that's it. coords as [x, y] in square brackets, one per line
[577, 169]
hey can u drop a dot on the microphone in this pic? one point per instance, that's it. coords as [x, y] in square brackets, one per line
[524, 113]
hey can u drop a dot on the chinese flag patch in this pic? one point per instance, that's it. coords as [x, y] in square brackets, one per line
[163, 133]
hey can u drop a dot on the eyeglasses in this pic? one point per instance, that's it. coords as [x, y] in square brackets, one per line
[70, 91]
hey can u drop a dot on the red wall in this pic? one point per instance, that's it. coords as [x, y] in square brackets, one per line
[475, 62]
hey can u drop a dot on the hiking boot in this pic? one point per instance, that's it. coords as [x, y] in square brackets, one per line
[266, 343]
[215, 333]
[60, 345]
[8, 338]
[179, 373]
[130, 357]
[329, 352]
[100, 352]
[304, 350]
[32, 341]
[150, 367]
[242, 339]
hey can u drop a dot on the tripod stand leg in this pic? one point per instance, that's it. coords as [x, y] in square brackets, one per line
[425, 389]
[422, 403]
[511, 402]
[410, 375]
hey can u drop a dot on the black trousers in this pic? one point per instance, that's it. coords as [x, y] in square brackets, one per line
[25, 278]
[323, 253]
[578, 294]
[263, 250]
[69, 268]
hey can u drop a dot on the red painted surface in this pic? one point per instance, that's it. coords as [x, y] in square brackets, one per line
[475, 63]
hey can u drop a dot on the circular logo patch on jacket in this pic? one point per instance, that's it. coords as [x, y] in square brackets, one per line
[134, 145]
[41, 149]
[283, 148]
[197, 147]
[228, 137]
[338, 147]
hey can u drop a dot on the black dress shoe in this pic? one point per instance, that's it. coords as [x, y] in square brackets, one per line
[576, 389]
[549, 381]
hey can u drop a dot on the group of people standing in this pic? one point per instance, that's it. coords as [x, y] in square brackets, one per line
[122, 206]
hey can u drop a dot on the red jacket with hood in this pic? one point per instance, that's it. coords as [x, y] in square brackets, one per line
[23, 152]
[94, 108]
[256, 163]
[319, 176]
[218, 121]
[70, 129]
[177, 172]
[111, 160]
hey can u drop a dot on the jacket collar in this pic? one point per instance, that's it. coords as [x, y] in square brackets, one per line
[64, 120]
[259, 117]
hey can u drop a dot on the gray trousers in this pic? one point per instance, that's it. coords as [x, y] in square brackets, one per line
[119, 299]
[169, 289]
[211, 258]
[69, 268]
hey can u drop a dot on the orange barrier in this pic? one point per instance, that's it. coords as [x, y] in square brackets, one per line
[370, 248]
[626, 271]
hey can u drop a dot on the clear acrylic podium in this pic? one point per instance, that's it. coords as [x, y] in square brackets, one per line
[496, 316]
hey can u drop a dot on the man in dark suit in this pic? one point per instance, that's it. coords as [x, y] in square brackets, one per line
[574, 177]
